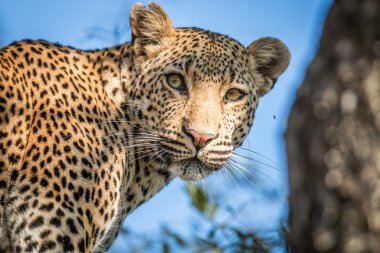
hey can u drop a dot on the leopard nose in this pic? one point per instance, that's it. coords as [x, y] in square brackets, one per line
[200, 139]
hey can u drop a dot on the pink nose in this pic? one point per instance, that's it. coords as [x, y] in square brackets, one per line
[200, 139]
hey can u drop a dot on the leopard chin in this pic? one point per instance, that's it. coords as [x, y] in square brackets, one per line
[191, 169]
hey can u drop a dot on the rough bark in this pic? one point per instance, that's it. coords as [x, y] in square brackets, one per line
[333, 137]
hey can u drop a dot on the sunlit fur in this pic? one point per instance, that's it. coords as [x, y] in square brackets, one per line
[88, 136]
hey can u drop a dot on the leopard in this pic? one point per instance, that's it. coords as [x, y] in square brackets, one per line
[87, 136]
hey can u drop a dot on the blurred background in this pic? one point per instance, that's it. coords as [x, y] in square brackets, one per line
[227, 211]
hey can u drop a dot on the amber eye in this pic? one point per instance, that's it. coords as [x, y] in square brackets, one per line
[234, 95]
[177, 82]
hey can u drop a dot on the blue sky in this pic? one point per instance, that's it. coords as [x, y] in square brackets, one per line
[298, 23]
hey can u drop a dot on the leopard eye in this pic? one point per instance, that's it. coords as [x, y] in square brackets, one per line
[177, 82]
[234, 95]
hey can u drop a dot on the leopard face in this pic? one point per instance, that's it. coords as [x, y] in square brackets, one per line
[196, 92]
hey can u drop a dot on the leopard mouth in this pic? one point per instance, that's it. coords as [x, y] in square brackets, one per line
[189, 164]
[191, 169]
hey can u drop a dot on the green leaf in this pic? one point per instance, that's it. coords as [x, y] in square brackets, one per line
[199, 198]
[213, 208]
[165, 247]
[179, 240]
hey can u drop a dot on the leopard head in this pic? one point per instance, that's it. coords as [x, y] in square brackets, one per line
[195, 92]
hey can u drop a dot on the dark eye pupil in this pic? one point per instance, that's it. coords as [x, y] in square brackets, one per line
[177, 82]
[234, 95]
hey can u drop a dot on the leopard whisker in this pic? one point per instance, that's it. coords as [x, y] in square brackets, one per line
[140, 157]
[236, 174]
[127, 144]
[151, 135]
[149, 138]
[129, 122]
[160, 163]
[139, 150]
[239, 161]
[143, 145]
[119, 148]
[156, 156]
[224, 176]
[257, 172]
[203, 187]
[241, 170]
[251, 152]
[137, 158]
[257, 161]
[164, 160]
[229, 174]
[236, 168]
[136, 138]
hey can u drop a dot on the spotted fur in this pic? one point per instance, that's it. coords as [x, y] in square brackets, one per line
[88, 136]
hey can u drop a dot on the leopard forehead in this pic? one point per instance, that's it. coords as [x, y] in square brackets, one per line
[212, 54]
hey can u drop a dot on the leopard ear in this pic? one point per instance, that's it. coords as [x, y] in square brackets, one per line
[151, 28]
[268, 59]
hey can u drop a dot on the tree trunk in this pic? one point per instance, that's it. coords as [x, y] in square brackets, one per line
[333, 137]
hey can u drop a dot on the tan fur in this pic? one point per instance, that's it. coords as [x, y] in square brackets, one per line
[88, 136]
[151, 28]
[272, 57]
[205, 110]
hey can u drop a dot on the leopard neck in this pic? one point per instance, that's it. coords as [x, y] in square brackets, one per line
[141, 179]
[117, 68]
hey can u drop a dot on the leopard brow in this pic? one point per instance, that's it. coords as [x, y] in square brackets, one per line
[232, 75]
[187, 64]
[242, 85]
